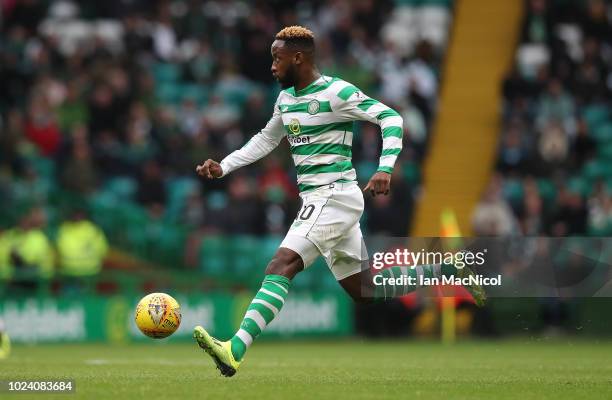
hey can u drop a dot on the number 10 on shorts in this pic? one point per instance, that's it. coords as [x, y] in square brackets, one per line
[307, 216]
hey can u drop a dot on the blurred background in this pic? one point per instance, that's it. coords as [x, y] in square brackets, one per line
[107, 107]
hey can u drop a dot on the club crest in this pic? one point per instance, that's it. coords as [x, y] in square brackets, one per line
[313, 107]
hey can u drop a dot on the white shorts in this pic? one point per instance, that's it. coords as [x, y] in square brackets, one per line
[328, 225]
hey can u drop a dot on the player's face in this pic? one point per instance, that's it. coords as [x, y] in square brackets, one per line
[283, 66]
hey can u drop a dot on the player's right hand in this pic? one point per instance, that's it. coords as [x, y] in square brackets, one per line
[210, 169]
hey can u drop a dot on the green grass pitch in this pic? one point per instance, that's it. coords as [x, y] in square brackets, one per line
[353, 369]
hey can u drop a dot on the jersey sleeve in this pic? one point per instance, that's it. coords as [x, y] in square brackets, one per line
[353, 103]
[258, 146]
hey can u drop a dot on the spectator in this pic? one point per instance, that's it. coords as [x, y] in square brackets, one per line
[26, 254]
[105, 106]
[79, 172]
[246, 215]
[600, 211]
[41, 126]
[219, 115]
[553, 148]
[493, 216]
[570, 216]
[513, 152]
[73, 110]
[584, 146]
[537, 26]
[189, 117]
[151, 188]
[570, 117]
[596, 23]
[82, 247]
[556, 105]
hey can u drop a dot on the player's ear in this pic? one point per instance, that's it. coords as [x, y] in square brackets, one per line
[298, 58]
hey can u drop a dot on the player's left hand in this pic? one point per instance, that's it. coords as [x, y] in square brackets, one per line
[380, 183]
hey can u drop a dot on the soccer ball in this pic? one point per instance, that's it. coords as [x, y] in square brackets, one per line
[158, 315]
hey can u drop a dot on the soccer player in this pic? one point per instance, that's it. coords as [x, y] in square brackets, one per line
[315, 113]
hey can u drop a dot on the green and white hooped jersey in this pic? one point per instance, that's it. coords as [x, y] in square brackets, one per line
[318, 123]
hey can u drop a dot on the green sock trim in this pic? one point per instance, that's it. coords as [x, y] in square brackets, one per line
[272, 294]
[238, 348]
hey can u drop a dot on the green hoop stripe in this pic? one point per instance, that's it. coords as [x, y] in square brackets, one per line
[265, 312]
[324, 106]
[310, 89]
[303, 188]
[394, 131]
[339, 166]
[319, 129]
[250, 326]
[387, 113]
[322, 148]
[367, 103]
[347, 92]
[390, 152]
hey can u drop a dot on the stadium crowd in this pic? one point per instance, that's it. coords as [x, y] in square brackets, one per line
[121, 99]
[554, 168]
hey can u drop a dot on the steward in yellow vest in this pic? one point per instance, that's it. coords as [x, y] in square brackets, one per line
[25, 251]
[81, 246]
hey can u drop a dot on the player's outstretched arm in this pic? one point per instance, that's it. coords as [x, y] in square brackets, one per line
[210, 169]
[259, 146]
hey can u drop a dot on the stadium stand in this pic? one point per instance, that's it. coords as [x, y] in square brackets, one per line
[554, 165]
[118, 109]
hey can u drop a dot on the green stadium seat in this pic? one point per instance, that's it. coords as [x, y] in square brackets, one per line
[305, 281]
[102, 206]
[365, 170]
[133, 238]
[123, 188]
[131, 228]
[595, 115]
[244, 255]
[167, 243]
[579, 185]
[593, 170]
[216, 199]
[438, 3]
[178, 191]
[169, 92]
[322, 278]
[547, 190]
[166, 72]
[513, 191]
[44, 167]
[412, 173]
[603, 133]
[605, 152]
[215, 256]
[194, 92]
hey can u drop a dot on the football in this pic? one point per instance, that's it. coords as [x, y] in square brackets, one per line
[158, 315]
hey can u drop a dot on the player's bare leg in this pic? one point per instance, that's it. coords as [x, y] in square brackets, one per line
[359, 286]
[263, 309]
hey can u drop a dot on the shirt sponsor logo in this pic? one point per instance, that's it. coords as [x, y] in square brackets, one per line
[293, 140]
